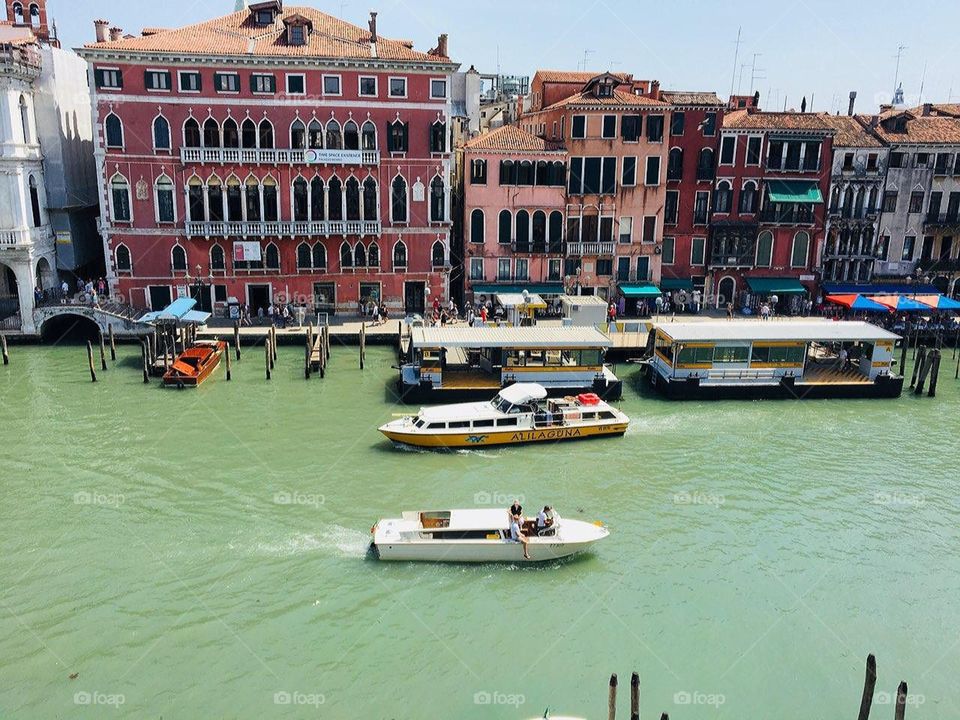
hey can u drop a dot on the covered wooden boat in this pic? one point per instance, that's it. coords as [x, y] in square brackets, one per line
[195, 364]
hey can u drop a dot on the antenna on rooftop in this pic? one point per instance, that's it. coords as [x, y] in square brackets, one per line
[923, 78]
[896, 73]
[755, 72]
[586, 58]
[736, 56]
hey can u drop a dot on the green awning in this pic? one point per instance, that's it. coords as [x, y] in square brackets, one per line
[639, 290]
[532, 288]
[676, 283]
[776, 286]
[794, 191]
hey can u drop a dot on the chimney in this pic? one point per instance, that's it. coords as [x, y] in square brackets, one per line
[116, 33]
[853, 99]
[803, 104]
[442, 45]
[874, 120]
[925, 112]
[655, 89]
[373, 27]
[100, 27]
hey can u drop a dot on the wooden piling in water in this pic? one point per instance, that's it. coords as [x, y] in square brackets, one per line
[924, 364]
[93, 372]
[934, 362]
[363, 341]
[113, 344]
[6, 352]
[273, 343]
[151, 347]
[103, 354]
[901, 701]
[267, 356]
[869, 683]
[236, 337]
[273, 350]
[635, 696]
[307, 348]
[226, 356]
[322, 345]
[917, 365]
[145, 355]
[612, 698]
[904, 344]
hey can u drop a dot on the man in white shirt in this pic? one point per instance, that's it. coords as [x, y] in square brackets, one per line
[517, 536]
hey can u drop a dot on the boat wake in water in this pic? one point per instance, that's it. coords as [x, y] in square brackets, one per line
[334, 540]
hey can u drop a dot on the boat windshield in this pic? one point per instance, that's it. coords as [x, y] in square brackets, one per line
[500, 404]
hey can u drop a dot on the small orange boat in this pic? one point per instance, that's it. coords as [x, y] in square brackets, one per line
[195, 364]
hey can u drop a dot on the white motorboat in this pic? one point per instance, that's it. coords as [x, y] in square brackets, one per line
[478, 535]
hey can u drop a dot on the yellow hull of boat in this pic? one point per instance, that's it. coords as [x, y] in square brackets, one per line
[504, 437]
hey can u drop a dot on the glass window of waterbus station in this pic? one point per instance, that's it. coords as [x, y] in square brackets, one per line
[589, 357]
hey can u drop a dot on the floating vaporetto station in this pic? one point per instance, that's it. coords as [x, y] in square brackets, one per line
[773, 359]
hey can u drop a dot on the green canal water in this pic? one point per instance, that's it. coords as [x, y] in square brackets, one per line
[203, 554]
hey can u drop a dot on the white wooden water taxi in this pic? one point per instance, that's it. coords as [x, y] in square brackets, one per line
[478, 535]
[520, 413]
[773, 359]
[457, 363]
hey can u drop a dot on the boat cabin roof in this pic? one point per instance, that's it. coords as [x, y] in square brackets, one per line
[537, 337]
[476, 519]
[756, 330]
[523, 393]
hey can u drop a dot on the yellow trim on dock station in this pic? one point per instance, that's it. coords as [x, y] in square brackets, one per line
[882, 363]
[550, 368]
[779, 343]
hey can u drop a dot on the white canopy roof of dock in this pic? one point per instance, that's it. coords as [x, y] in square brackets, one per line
[773, 330]
[532, 338]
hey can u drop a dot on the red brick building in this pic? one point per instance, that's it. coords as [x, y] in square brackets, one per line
[274, 154]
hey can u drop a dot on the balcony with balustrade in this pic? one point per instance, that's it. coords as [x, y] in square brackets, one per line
[938, 265]
[26, 238]
[591, 249]
[942, 221]
[283, 228]
[277, 156]
[536, 247]
[788, 214]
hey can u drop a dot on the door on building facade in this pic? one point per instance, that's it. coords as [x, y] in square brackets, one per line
[414, 297]
[202, 294]
[643, 268]
[160, 297]
[623, 269]
[725, 292]
[258, 296]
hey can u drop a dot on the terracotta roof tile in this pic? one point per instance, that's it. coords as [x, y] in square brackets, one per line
[744, 120]
[237, 34]
[565, 76]
[929, 130]
[684, 97]
[620, 98]
[510, 138]
[851, 131]
[950, 109]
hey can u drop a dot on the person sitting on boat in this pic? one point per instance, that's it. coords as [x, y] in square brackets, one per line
[544, 518]
[517, 535]
[516, 510]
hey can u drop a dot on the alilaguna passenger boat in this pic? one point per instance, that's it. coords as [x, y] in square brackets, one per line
[195, 364]
[520, 413]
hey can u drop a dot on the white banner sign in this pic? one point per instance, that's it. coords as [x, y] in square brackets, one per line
[244, 251]
[336, 157]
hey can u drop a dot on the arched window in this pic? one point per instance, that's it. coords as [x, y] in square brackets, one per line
[370, 203]
[748, 198]
[543, 173]
[196, 209]
[368, 136]
[556, 231]
[304, 258]
[248, 135]
[438, 254]
[273, 257]
[801, 247]
[252, 195]
[722, 197]
[438, 137]
[301, 200]
[558, 177]
[234, 199]
[34, 15]
[271, 200]
[17, 13]
[334, 139]
[334, 198]
[166, 209]
[399, 255]
[539, 230]
[319, 257]
[214, 199]
[114, 131]
[504, 227]
[265, 134]
[872, 204]
[525, 173]
[346, 256]
[25, 120]
[351, 136]
[315, 135]
[218, 259]
[398, 200]
[211, 133]
[523, 230]
[675, 164]
[161, 133]
[231, 133]
[298, 136]
[508, 175]
[353, 198]
[316, 199]
[359, 256]
[847, 207]
[397, 137]
[476, 225]
[123, 261]
[437, 200]
[35, 202]
[765, 249]
[120, 198]
[373, 255]
[705, 165]
[191, 134]
[178, 259]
